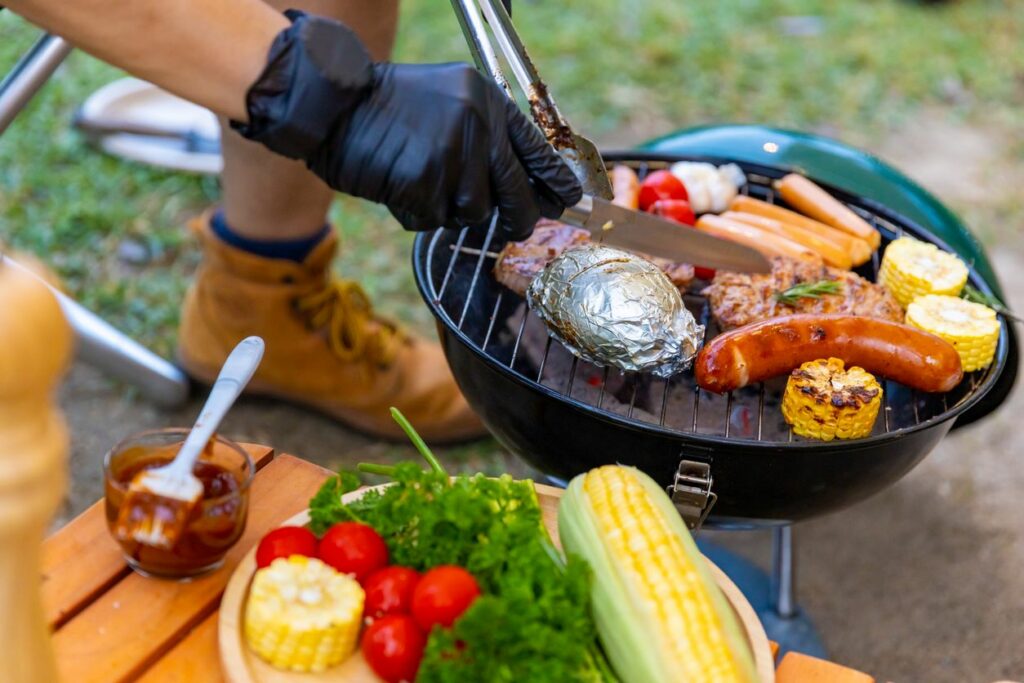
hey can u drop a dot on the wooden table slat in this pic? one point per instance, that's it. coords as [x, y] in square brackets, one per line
[134, 623]
[81, 561]
[196, 659]
[798, 668]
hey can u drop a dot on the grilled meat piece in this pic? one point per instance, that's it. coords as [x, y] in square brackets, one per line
[519, 262]
[739, 299]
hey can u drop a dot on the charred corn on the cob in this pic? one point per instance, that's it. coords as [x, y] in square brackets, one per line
[303, 615]
[971, 328]
[823, 400]
[911, 268]
[660, 616]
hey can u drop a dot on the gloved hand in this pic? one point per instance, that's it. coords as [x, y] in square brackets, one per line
[438, 144]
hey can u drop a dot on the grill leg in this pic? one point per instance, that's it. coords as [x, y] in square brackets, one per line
[771, 594]
[783, 582]
[98, 343]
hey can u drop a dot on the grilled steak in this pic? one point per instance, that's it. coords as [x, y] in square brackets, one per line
[519, 262]
[739, 299]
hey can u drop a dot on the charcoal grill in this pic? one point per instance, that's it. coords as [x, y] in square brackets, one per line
[731, 455]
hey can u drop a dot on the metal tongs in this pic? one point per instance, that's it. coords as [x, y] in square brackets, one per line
[615, 225]
[579, 153]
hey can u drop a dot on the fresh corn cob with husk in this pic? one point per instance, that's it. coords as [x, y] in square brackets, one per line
[659, 613]
[911, 268]
[303, 615]
[824, 400]
[971, 328]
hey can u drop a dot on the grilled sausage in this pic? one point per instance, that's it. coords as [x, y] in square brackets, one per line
[832, 252]
[625, 187]
[760, 351]
[807, 197]
[766, 242]
[858, 249]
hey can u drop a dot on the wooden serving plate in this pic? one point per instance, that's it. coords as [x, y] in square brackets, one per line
[241, 665]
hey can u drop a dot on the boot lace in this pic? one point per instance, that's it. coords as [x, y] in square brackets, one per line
[354, 332]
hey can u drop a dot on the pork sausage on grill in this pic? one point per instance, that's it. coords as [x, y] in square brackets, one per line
[625, 187]
[765, 242]
[774, 347]
[808, 198]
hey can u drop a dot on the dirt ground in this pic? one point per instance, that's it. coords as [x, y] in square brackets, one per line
[920, 583]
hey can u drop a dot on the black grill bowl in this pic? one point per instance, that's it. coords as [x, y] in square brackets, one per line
[564, 416]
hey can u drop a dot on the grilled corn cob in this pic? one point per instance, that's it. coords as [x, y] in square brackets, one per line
[825, 401]
[660, 616]
[971, 328]
[303, 615]
[911, 268]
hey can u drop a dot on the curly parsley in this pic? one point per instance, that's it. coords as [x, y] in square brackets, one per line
[533, 622]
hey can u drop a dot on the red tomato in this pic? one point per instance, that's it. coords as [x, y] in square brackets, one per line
[285, 542]
[677, 210]
[442, 595]
[393, 647]
[704, 273]
[354, 548]
[389, 591]
[661, 185]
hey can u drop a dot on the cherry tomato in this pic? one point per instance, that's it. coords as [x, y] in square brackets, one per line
[677, 210]
[393, 647]
[661, 185]
[442, 595]
[389, 591]
[704, 273]
[285, 542]
[354, 548]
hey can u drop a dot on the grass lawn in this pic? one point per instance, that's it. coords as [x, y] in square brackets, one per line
[628, 69]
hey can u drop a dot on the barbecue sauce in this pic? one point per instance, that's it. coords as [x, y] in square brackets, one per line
[215, 524]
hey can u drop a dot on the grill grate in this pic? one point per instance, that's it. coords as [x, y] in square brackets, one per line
[498, 323]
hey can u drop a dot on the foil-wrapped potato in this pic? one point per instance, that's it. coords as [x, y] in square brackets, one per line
[614, 308]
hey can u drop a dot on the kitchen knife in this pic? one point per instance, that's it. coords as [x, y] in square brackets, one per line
[648, 234]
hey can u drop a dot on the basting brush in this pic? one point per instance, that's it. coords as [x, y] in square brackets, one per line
[160, 501]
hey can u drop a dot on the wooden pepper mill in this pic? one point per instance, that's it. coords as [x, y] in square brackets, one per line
[35, 346]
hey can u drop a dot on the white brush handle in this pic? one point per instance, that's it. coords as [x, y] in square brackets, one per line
[237, 371]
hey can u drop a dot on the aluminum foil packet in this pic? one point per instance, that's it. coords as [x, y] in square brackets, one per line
[613, 308]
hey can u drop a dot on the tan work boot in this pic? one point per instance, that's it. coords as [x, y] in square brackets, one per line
[325, 348]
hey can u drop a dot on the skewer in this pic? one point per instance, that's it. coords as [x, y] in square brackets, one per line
[474, 252]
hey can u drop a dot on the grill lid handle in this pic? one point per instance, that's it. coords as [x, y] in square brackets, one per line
[691, 492]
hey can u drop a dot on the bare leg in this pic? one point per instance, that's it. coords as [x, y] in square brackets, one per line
[267, 196]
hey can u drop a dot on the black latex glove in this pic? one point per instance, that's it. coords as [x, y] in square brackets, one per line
[440, 145]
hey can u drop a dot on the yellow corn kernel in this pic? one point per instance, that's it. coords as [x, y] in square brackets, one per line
[302, 615]
[825, 401]
[971, 328]
[659, 614]
[911, 268]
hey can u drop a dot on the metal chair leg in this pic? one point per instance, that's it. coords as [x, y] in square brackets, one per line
[29, 75]
[98, 342]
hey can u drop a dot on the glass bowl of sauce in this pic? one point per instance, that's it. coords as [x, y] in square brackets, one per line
[217, 521]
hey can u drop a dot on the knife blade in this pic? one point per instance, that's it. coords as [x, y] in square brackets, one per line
[651, 235]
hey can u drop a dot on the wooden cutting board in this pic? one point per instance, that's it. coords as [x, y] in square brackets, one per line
[241, 665]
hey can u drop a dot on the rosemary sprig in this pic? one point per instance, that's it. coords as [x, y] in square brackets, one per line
[808, 290]
[973, 294]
